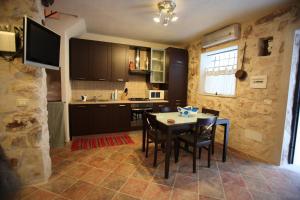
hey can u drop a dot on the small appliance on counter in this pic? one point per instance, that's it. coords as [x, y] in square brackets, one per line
[114, 95]
[83, 98]
[156, 94]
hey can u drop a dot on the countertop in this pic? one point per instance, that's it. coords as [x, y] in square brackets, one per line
[116, 102]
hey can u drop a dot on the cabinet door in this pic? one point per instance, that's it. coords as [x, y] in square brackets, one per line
[102, 121]
[79, 59]
[100, 61]
[80, 120]
[121, 117]
[119, 63]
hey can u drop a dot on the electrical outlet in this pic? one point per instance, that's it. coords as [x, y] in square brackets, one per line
[22, 102]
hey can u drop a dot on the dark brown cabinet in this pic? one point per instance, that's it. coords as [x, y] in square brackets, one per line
[119, 69]
[80, 120]
[98, 61]
[98, 118]
[79, 59]
[177, 67]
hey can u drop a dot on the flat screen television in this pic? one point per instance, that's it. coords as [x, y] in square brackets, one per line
[41, 45]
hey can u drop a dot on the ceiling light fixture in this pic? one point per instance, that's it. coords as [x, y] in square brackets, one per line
[166, 12]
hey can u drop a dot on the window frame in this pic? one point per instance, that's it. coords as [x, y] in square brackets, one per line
[202, 71]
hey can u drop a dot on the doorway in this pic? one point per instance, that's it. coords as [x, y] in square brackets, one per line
[294, 148]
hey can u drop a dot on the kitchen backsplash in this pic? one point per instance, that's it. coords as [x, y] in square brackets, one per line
[137, 88]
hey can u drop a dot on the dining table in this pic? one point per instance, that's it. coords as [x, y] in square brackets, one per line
[181, 124]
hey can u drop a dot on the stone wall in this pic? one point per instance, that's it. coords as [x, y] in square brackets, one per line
[23, 129]
[257, 115]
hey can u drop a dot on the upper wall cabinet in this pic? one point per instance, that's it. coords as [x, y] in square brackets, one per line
[158, 71]
[97, 61]
[79, 59]
[119, 64]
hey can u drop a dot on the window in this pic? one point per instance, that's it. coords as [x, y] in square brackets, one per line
[218, 72]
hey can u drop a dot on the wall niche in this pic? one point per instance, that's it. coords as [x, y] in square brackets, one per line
[265, 46]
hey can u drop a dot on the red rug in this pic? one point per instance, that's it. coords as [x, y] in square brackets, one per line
[89, 142]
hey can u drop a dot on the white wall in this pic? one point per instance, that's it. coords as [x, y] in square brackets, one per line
[67, 27]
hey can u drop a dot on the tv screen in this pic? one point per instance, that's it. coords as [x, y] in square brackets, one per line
[41, 45]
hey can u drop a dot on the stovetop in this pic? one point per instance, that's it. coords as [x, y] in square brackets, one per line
[138, 99]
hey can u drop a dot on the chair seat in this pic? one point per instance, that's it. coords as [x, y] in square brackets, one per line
[189, 138]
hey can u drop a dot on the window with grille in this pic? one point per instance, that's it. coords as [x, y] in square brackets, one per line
[217, 70]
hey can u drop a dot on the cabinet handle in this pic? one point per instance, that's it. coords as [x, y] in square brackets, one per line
[179, 62]
[81, 106]
[122, 105]
[81, 78]
[177, 100]
[101, 79]
[160, 105]
[120, 79]
[102, 106]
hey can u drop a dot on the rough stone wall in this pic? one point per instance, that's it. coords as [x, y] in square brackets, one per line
[23, 130]
[257, 115]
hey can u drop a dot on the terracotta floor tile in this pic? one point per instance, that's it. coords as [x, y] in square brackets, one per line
[41, 194]
[108, 165]
[118, 156]
[161, 180]
[207, 198]
[135, 187]
[114, 181]
[186, 183]
[121, 196]
[232, 178]
[133, 159]
[257, 184]
[235, 192]
[125, 169]
[78, 170]
[59, 184]
[55, 160]
[205, 173]
[227, 166]
[26, 191]
[157, 192]
[63, 166]
[100, 193]
[78, 190]
[211, 187]
[95, 161]
[186, 170]
[179, 194]
[256, 195]
[95, 176]
[145, 173]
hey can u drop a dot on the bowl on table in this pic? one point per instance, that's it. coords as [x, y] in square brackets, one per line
[188, 111]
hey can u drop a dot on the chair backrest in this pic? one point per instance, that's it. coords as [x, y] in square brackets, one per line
[205, 126]
[151, 122]
[211, 111]
[165, 109]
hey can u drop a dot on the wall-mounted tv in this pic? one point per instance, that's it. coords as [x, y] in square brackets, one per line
[41, 45]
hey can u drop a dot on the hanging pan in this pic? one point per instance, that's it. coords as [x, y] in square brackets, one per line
[241, 74]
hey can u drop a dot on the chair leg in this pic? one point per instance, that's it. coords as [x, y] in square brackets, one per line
[147, 146]
[213, 147]
[209, 154]
[176, 152]
[200, 150]
[194, 158]
[186, 147]
[155, 153]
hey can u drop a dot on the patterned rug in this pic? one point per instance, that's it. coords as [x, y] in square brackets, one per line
[96, 141]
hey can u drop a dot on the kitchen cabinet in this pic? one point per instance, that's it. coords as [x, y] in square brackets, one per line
[98, 118]
[157, 66]
[119, 63]
[121, 117]
[177, 67]
[80, 120]
[100, 61]
[79, 59]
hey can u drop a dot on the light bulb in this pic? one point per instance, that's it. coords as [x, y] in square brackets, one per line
[174, 18]
[156, 19]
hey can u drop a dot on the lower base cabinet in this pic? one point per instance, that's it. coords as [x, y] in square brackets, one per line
[98, 118]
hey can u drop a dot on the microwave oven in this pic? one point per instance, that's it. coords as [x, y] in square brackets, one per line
[156, 94]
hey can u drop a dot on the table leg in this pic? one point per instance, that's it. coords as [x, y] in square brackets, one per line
[144, 135]
[168, 153]
[225, 142]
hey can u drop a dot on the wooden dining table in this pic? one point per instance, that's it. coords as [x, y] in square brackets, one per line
[182, 124]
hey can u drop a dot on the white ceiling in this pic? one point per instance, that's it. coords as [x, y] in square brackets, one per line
[133, 18]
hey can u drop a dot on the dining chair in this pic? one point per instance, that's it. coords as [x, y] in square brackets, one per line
[215, 113]
[153, 135]
[200, 137]
[165, 109]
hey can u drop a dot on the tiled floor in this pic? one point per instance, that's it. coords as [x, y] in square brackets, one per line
[123, 173]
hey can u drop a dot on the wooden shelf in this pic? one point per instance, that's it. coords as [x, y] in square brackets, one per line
[139, 72]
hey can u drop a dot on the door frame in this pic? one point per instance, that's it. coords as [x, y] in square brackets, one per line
[295, 115]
